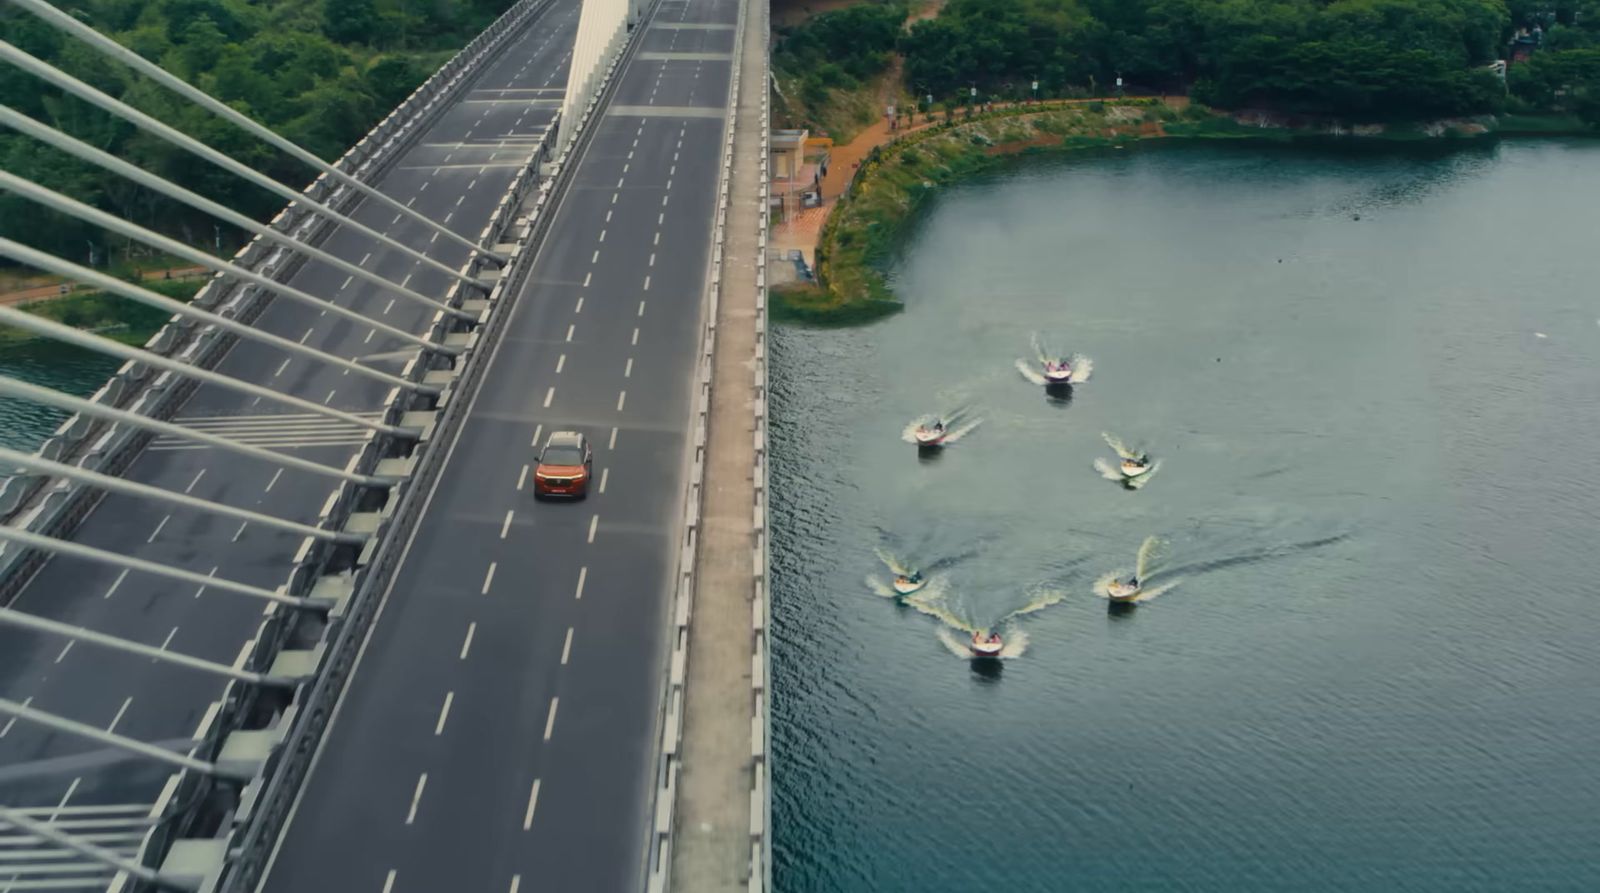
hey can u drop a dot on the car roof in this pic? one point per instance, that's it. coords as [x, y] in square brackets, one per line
[564, 438]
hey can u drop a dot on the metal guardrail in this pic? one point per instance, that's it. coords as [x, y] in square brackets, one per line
[761, 619]
[668, 765]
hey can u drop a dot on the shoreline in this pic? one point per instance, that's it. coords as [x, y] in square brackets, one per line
[102, 313]
[876, 212]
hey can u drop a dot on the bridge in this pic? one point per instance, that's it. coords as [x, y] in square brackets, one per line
[280, 611]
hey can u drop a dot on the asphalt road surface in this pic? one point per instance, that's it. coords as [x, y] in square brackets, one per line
[456, 174]
[499, 732]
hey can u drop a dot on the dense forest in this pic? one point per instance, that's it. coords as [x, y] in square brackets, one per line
[1361, 60]
[322, 72]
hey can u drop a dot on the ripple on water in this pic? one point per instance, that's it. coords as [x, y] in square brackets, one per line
[23, 425]
[1377, 672]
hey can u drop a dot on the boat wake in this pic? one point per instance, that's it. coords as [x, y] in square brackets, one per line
[1102, 586]
[1146, 565]
[1117, 446]
[1016, 642]
[1112, 471]
[893, 562]
[1082, 368]
[958, 424]
[1267, 553]
[933, 602]
[958, 627]
[1041, 598]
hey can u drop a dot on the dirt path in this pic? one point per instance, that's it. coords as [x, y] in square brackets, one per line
[49, 292]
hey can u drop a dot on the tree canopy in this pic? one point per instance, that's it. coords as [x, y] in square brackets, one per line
[321, 72]
[1363, 59]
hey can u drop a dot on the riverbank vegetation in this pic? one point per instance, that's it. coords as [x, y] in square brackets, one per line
[1398, 69]
[869, 222]
[321, 72]
[114, 317]
[1362, 61]
[831, 69]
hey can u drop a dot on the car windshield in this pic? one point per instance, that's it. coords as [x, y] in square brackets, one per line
[562, 455]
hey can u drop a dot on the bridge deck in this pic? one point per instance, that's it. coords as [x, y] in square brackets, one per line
[456, 173]
[500, 729]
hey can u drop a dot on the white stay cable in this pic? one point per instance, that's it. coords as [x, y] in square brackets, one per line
[133, 60]
[14, 119]
[46, 72]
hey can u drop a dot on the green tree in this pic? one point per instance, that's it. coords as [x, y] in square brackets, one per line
[350, 21]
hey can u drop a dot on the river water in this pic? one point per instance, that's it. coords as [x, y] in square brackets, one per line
[24, 425]
[1372, 381]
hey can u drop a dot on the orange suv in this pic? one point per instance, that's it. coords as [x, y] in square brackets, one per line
[565, 466]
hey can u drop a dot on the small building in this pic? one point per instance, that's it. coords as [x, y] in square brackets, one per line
[788, 149]
[797, 167]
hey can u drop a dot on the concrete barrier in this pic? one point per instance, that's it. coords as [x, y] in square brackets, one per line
[659, 877]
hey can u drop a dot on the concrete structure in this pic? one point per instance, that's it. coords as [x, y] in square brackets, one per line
[797, 164]
[506, 659]
[722, 839]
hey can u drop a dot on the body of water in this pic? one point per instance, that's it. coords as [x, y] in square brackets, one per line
[1372, 382]
[24, 425]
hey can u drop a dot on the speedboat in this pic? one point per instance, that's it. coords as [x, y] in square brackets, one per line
[1135, 467]
[907, 584]
[986, 646]
[1057, 372]
[1121, 591]
[930, 435]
